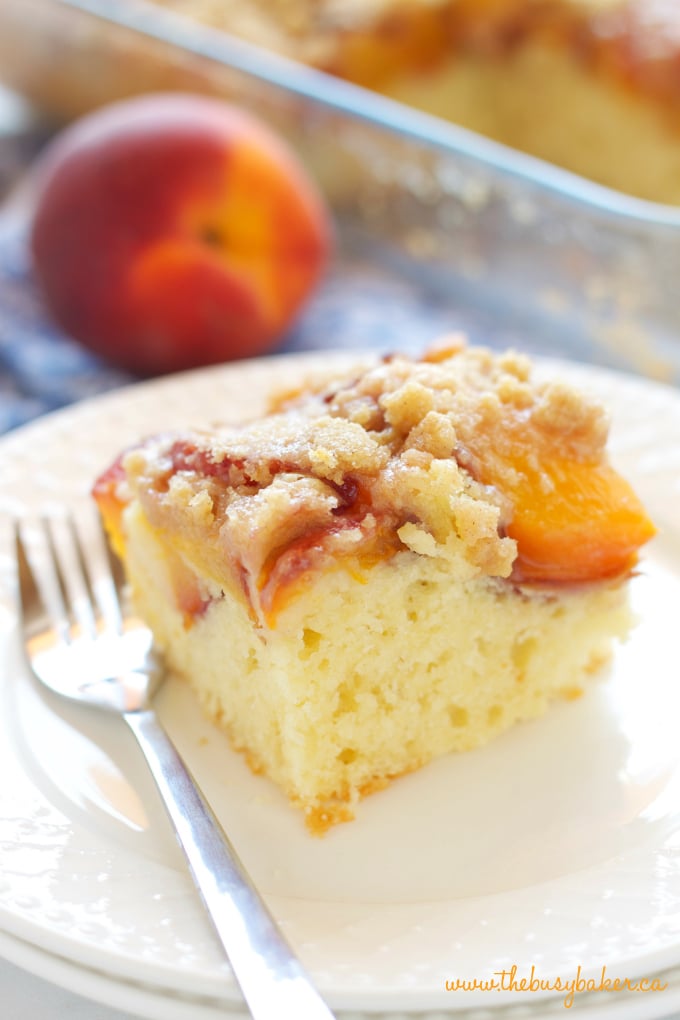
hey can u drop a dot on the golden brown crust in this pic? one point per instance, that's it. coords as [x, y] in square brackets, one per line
[340, 807]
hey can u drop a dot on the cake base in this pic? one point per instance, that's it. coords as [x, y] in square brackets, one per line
[374, 670]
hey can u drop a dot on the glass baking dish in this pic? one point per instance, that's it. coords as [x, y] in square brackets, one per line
[521, 252]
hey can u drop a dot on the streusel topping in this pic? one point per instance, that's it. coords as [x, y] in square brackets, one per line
[423, 455]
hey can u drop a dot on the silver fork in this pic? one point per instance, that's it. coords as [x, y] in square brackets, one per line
[81, 644]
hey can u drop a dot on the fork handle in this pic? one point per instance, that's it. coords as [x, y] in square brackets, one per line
[268, 973]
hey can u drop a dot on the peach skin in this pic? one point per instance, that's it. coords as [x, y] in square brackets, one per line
[174, 230]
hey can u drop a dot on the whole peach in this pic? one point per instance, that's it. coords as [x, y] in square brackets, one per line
[175, 230]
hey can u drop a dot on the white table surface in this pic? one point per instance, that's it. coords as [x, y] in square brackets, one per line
[27, 997]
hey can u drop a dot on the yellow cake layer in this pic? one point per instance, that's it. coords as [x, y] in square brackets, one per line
[541, 102]
[374, 672]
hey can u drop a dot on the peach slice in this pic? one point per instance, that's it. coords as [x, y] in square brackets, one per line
[574, 520]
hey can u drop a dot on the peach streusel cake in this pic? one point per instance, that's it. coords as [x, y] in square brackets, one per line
[388, 567]
[591, 85]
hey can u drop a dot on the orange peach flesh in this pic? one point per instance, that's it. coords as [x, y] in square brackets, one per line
[588, 527]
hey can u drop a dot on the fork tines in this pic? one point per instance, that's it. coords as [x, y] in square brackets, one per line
[68, 571]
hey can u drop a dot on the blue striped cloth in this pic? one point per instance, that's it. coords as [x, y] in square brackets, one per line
[40, 368]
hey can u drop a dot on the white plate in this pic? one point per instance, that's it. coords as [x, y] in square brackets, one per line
[140, 1000]
[558, 846]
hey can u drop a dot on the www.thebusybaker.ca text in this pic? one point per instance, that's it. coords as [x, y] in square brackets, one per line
[508, 981]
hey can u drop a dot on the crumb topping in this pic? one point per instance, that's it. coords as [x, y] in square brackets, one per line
[392, 459]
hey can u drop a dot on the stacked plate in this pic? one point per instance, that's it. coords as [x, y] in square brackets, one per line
[499, 883]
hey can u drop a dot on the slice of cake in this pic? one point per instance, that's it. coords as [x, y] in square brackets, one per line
[386, 568]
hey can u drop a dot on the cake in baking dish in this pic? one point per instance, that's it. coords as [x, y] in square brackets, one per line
[591, 85]
[387, 567]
